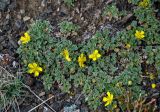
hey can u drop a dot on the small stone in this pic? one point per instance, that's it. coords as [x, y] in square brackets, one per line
[74, 33]
[116, 49]
[57, 34]
[31, 20]
[19, 16]
[42, 94]
[58, 9]
[7, 16]
[14, 64]
[77, 10]
[45, 109]
[129, 27]
[18, 24]
[22, 11]
[26, 18]
[82, 18]
[43, 3]
[97, 14]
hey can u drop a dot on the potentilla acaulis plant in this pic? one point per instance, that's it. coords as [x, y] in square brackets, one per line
[105, 68]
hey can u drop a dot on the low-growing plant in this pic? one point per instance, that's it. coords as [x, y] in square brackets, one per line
[68, 27]
[112, 12]
[106, 67]
[69, 3]
[10, 89]
[100, 73]
[71, 108]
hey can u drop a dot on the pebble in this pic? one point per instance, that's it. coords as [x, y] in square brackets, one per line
[19, 24]
[82, 18]
[97, 13]
[7, 16]
[46, 109]
[15, 64]
[19, 16]
[43, 3]
[26, 18]
[42, 94]
[22, 11]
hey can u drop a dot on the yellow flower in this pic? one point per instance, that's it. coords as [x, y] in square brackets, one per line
[108, 99]
[153, 86]
[95, 55]
[34, 68]
[144, 3]
[81, 60]
[25, 39]
[65, 53]
[128, 46]
[139, 34]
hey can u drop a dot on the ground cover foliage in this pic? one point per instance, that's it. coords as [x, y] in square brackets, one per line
[108, 68]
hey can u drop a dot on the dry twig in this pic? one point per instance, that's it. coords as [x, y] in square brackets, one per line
[41, 104]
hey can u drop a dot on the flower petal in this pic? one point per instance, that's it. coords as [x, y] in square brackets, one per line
[35, 65]
[40, 69]
[98, 56]
[94, 59]
[109, 94]
[96, 51]
[26, 35]
[90, 56]
[107, 104]
[68, 58]
[36, 74]
[30, 65]
[142, 32]
[30, 71]
[105, 99]
[22, 38]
